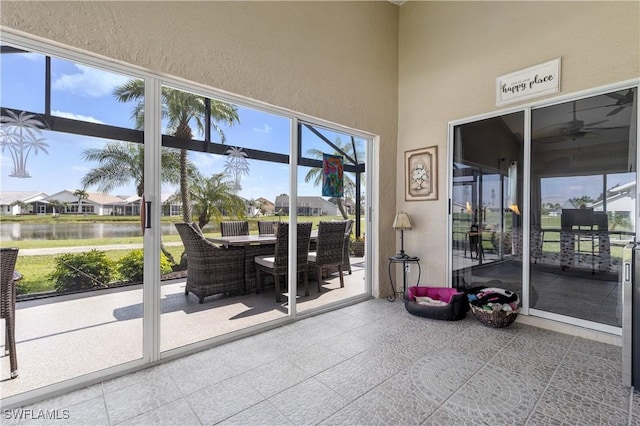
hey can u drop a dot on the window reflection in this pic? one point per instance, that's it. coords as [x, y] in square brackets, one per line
[583, 204]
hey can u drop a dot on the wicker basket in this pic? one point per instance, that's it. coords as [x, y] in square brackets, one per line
[497, 319]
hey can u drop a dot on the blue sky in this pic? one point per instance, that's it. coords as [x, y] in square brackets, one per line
[85, 93]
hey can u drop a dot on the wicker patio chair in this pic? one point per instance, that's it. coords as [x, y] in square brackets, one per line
[210, 269]
[266, 227]
[250, 274]
[234, 228]
[277, 264]
[8, 257]
[346, 250]
[329, 250]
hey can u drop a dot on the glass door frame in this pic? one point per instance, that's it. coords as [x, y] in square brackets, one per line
[151, 241]
[75, 55]
[527, 108]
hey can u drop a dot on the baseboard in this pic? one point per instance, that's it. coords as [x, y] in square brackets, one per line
[573, 330]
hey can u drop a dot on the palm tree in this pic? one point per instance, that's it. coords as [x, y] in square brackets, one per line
[315, 174]
[20, 135]
[24, 207]
[59, 205]
[121, 163]
[255, 206]
[82, 195]
[237, 165]
[214, 196]
[581, 202]
[180, 108]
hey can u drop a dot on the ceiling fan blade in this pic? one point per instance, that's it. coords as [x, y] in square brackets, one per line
[596, 107]
[606, 128]
[615, 111]
[616, 96]
[549, 131]
[566, 137]
[585, 135]
[549, 139]
[594, 123]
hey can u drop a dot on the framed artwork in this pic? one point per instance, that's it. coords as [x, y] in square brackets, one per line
[421, 174]
[332, 178]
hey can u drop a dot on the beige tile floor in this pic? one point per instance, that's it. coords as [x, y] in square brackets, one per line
[69, 336]
[369, 364]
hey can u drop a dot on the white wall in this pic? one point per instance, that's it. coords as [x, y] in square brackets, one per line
[450, 56]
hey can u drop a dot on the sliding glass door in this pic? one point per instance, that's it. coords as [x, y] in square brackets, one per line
[331, 188]
[72, 173]
[225, 167]
[142, 208]
[486, 207]
[580, 209]
[583, 204]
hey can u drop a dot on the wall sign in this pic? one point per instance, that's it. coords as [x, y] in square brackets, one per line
[528, 83]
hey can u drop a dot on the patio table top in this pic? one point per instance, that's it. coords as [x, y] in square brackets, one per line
[246, 240]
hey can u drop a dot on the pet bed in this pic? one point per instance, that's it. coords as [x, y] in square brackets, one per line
[442, 303]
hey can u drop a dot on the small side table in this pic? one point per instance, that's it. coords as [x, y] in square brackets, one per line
[404, 260]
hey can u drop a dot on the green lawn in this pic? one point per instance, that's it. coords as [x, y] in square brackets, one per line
[35, 269]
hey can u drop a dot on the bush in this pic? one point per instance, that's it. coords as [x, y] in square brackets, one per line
[131, 266]
[79, 271]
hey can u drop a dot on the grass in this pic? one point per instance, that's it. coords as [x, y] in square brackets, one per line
[35, 269]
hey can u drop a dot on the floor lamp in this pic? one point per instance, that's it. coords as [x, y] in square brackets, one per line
[401, 222]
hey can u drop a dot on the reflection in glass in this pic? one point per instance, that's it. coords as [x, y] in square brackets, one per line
[486, 204]
[583, 187]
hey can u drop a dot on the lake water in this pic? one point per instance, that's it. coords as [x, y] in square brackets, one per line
[72, 231]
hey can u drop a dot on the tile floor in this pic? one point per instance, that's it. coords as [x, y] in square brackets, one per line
[62, 337]
[369, 364]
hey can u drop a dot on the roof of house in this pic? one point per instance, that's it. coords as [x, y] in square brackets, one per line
[311, 200]
[9, 197]
[92, 197]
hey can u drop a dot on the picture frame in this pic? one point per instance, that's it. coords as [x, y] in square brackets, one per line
[421, 174]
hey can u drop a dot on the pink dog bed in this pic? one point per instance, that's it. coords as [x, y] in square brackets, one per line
[441, 303]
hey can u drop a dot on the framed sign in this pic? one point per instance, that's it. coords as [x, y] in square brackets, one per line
[420, 180]
[528, 83]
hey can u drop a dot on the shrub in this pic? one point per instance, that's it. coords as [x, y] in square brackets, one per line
[79, 271]
[131, 266]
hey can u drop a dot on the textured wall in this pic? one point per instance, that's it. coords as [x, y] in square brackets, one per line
[334, 60]
[450, 56]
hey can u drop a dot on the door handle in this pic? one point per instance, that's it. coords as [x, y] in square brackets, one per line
[147, 215]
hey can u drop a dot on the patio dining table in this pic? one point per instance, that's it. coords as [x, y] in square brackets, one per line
[254, 245]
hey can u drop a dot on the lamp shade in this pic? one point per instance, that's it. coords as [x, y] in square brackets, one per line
[402, 221]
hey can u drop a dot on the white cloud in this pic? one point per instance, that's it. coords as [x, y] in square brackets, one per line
[207, 163]
[89, 82]
[76, 117]
[266, 129]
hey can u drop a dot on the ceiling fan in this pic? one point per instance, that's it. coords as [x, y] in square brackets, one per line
[622, 101]
[573, 129]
